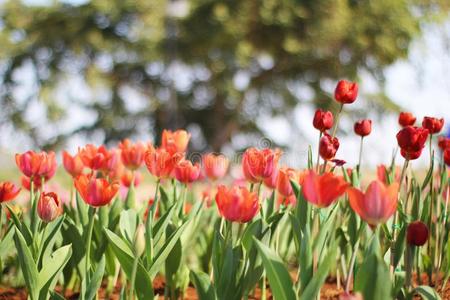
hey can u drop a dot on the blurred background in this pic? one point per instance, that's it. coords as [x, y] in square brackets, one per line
[234, 73]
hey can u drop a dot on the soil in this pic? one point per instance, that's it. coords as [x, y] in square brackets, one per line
[329, 291]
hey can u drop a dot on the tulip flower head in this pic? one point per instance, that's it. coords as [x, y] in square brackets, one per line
[447, 156]
[323, 190]
[382, 174]
[215, 166]
[346, 92]
[132, 155]
[411, 141]
[434, 125]
[49, 207]
[26, 183]
[258, 165]
[161, 162]
[128, 177]
[237, 204]
[284, 186]
[443, 143]
[99, 158]
[271, 182]
[406, 119]
[323, 120]
[96, 191]
[33, 164]
[186, 172]
[8, 191]
[328, 147]
[72, 164]
[175, 141]
[417, 233]
[363, 127]
[377, 204]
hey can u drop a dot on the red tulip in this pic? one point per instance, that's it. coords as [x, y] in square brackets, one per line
[132, 155]
[328, 146]
[8, 191]
[271, 182]
[410, 155]
[258, 165]
[447, 156]
[49, 207]
[96, 191]
[406, 119]
[237, 204]
[417, 233]
[215, 166]
[434, 125]
[411, 140]
[323, 120]
[323, 190]
[26, 182]
[33, 164]
[363, 127]
[72, 164]
[186, 172]
[284, 181]
[175, 141]
[99, 158]
[443, 143]
[287, 200]
[127, 178]
[346, 92]
[160, 162]
[377, 204]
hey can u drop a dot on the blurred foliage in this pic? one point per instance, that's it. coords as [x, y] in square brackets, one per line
[214, 65]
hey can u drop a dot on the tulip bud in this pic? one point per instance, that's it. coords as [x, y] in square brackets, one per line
[176, 141]
[49, 207]
[346, 92]
[417, 233]
[323, 120]
[328, 146]
[434, 125]
[406, 119]
[139, 245]
[363, 127]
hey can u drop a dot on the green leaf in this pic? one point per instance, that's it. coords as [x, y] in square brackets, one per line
[305, 260]
[372, 279]
[27, 265]
[203, 285]
[427, 292]
[161, 224]
[96, 280]
[82, 209]
[50, 240]
[279, 278]
[55, 296]
[123, 253]
[429, 174]
[400, 244]
[128, 223]
[172, 265]
[21, 226]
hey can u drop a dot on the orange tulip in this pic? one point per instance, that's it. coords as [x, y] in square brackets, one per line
[215, 166]
[175, 141]
[33, 164]
[382, 175]
[258, 165]
[132, 155]
[186, 172]
[96, 191]
[72, 164]
[49, 207]
[8, 191]
[284, 181]
[237, 204]
[161, 162]
[271, 182]
[99, 158]
[323, 190]
[377, 204]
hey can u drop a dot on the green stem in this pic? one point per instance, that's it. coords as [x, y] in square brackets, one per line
[360, 154]
[338, 117]
[89, 240]
[318, 153]
[134, 270]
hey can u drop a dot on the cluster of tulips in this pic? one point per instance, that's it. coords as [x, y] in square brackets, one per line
[273, 226]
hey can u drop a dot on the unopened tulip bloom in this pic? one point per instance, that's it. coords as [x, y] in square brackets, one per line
[284, 186]
[72, 164]
[323, 190]
[33, 164]
[377, 204]
[447, 156]
[8, 191]
[417, 233]
[215, 166]
[346, 92]
[175, 141]
[132, 155]
[363, 127]
[96, 191]
[49, 207]
[443, 143]
[161, 162]
[323, 120]
[237, 204]
[186, 172]
[406, 119]
[328, 146]
[271, 182]
[258, 165]
[434, 125]
[411, 141]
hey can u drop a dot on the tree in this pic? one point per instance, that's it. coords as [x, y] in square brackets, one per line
[216, 65]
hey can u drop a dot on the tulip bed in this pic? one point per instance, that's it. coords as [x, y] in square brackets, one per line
[272, 231]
